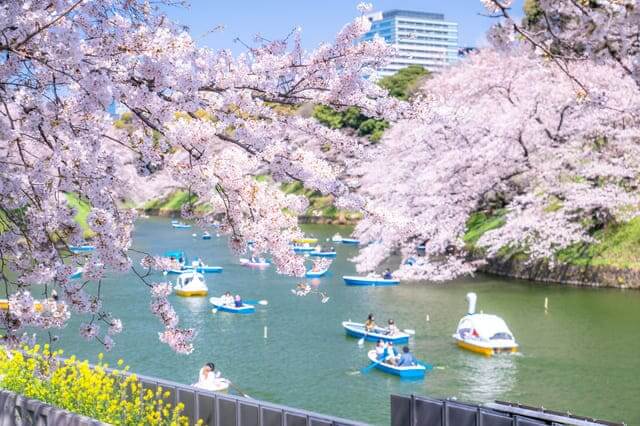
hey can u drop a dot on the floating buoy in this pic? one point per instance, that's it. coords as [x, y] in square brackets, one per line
[265, 331]
[427, 317]
[546, 304]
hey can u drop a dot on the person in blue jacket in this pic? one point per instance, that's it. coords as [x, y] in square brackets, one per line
[237, 301]
[406, 359]
[387, 274]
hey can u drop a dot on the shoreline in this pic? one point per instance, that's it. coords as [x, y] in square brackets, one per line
[564, 274]
[540, 271]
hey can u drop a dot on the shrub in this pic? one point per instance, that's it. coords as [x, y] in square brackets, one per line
[109, 396]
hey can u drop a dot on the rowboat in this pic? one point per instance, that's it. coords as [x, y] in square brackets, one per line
[305, 240]
[316, 274]
[483, 333]
[303, 248]
[369, 281]
[76, 274]
[244, 309]
[355, 329]
[206, 236]
[409, 372]
[205, 269]
[180, 225]
[350, 241]
[217, 385]
[260, 264]
[317, 253]
[190, 284]
[81, 249]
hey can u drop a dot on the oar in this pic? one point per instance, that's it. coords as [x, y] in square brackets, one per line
[257, 302]
[361, 340]
[370, 366]
[237, 389]
[409, 331]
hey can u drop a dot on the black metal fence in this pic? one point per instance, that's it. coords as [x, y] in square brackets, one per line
[16, 410]
[217, 409]
[422, 411]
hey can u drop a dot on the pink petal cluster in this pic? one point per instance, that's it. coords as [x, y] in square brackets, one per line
[524, 142]
[196, 118]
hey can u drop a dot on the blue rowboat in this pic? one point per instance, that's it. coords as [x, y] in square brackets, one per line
[180, 225]
[206, 269]
[303, 249]
[351, 241]
[316, 274]
[409, 372]
[206, 236]
[371, 281]
[81, 249]
[76, 274]
[356, 330]
[322, 253]
[244, 309]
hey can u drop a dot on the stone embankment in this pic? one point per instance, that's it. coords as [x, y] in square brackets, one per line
[542, 271]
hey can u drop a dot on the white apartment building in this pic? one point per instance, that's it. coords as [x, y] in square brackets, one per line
[421, 38]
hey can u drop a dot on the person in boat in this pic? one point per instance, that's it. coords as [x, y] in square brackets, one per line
[370, 324]
[392, 328]
[227, 299]
[381, 348]
[406, 359]
[207, 377]
[387, 274]
[318, 247]
[253, 259]
[200, 262]
[237, 301]
[390, 354]
[315, 267]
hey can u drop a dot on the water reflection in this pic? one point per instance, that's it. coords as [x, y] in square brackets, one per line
[193, 304]
[487, 378]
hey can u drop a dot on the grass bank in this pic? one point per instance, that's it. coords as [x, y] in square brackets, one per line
[82, 212]
[617, 246]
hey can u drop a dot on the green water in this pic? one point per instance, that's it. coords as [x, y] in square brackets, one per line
[581, 356]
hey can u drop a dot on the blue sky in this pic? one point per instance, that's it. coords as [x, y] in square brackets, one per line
[320, 20]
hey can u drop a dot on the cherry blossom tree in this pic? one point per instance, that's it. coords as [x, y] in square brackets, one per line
[207, 119]
[559, 155]
[603, 31]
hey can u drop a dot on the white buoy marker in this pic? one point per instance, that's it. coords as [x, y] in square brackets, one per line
[546, 304]
[427, 317]
[265, 332]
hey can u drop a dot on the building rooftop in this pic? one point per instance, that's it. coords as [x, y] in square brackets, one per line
[412, 14]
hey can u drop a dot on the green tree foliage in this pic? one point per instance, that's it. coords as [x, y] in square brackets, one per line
[402, 85]
[532, 12]
[405, 82]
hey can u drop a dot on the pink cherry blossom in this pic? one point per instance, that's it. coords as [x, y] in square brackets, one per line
[524, 141]
[200, 120]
